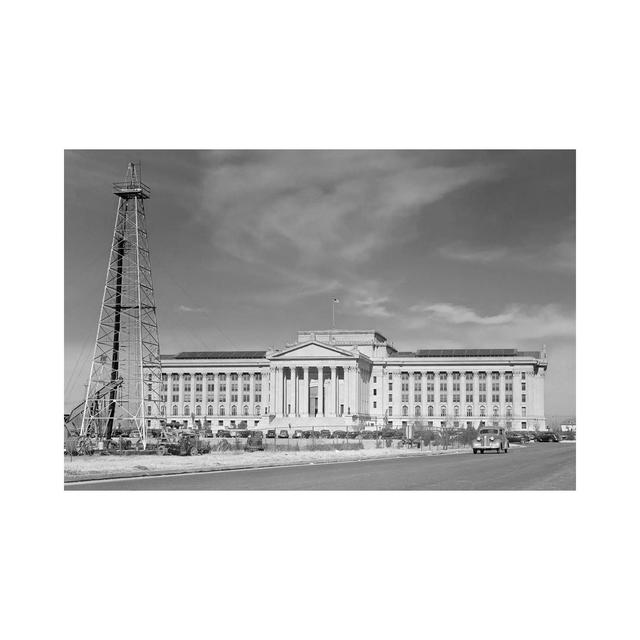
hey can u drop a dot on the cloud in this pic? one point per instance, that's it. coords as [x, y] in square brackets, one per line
[514, 324]
[305, 205]
[185, 309]
[373, 307]
[470, 254]
[559, 256]
[310, 222]
[462, 315]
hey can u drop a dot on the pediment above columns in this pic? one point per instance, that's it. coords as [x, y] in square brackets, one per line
[313, 350]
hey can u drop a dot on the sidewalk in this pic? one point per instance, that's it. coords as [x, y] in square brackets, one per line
[111, 467]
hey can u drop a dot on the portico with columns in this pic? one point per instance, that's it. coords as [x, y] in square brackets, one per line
[317, 384]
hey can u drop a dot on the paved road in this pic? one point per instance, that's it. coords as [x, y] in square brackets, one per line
[537, 466]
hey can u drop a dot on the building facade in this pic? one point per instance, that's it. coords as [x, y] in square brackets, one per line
[353, 380]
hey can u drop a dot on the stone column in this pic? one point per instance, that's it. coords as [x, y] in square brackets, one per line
[285, 392]
[277, 387]
[321, 391]
[304, 404]
[355, 390]
[272, 390]
[332, 392]
[294, 384]
[347, 390]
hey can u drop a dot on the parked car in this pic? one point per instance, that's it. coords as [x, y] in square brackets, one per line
[491, 439]
[325, 433]
[298, 433]
[223, 433]
[368, 435]
[339, 433]
[208, 433]
[548, 436]
[243, 433]
[283, 433]
[271, 433]
[517, 437]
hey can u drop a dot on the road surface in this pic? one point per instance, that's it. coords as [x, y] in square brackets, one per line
[537, 466]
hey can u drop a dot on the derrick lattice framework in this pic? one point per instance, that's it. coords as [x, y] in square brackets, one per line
[123, 394]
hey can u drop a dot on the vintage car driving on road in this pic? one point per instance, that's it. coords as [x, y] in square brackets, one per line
[491, 439]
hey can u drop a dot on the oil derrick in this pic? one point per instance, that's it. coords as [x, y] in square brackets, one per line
[124, 387]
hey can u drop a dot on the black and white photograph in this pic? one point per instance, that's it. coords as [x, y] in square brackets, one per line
[320, 320]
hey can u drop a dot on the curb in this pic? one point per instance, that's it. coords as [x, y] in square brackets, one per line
[152, 474]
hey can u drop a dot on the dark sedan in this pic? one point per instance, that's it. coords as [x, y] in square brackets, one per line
[517, 438]
[548, 437]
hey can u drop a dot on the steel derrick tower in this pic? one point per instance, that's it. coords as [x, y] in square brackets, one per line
[125, 376]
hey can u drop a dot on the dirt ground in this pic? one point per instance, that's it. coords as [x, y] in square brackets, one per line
[98, 466]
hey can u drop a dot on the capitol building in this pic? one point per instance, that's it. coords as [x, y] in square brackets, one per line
[347, 379]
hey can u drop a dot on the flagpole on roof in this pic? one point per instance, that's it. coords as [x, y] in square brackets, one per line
[333, 313]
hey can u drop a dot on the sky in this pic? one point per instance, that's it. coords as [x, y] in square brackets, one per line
[433, 249]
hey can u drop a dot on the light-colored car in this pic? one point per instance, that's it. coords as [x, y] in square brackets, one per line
[491, 439]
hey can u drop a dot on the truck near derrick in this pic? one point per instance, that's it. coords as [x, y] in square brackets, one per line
[180, 442]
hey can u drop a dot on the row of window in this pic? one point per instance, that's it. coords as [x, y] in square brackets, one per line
[456, 375]
[495, 386]
[210, 377]
[456, 411]
[246, 397]
[455, 396]
[457, 424]
[429, 375]
[221, 412]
